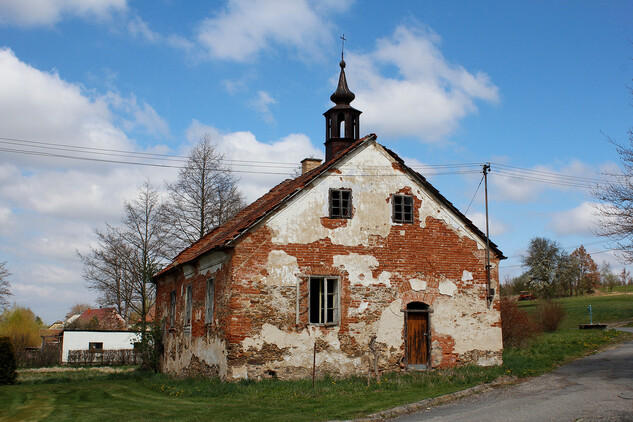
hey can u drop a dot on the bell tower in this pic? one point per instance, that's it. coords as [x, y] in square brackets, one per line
[342, 122]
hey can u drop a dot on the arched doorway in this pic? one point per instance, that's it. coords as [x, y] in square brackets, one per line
[418, 335]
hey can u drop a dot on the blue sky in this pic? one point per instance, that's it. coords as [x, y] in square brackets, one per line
[532, 87]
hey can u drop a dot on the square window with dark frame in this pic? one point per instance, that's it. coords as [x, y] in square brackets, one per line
[210, 297]
[324, 300]
[402, 208]
[340, 203]
[188, 305]
[172, 309]
[95, 347]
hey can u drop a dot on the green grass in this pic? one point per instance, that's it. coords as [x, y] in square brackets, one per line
[605, 309]
[90, 395]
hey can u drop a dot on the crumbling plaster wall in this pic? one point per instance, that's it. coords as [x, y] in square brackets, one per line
[382, 267]
[198, 350]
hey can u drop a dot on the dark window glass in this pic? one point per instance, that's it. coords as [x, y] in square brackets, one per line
[95, 347]
[402, 209]
[340, 203]
[324, 300]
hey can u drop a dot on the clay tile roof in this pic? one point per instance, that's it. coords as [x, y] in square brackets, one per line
[99, 313]
[223, 235]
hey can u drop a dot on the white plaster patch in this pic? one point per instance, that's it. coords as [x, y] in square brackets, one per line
[187, 270]
[211, 350]
[361, 308]
[390, 325]
[211, 263]
[447, 287]
[240, 372]
[417, 285]
[359, 267]
[491, 361]
[301, 347]
[372, 218]
[467, 319]
[282, 269]
[467, 276]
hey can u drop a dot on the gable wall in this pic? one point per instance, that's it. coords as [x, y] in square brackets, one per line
[382, 265]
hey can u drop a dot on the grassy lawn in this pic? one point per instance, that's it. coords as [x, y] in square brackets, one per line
[90, 395]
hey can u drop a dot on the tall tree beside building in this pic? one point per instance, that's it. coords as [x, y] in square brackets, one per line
[104, 270]
[126, 257]
[5, 286]
[204, 196]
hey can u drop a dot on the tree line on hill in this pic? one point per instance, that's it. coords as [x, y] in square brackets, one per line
[552, 272]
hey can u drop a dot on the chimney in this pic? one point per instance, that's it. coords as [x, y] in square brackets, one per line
[308, 164]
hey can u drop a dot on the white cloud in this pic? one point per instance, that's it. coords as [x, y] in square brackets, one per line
[51, 205]
[261, 104]
[526, 184]
[140, 115]
[139, 28]
[256, 176]
[576, 221]
[427, 98]
[36, 105]
[246, 27]
[48, 12]
[479, 220]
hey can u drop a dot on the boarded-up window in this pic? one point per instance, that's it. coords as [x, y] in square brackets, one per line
[402, 208]
[340, 203]
[210, 297]
[324, 300]
[172, 308]
[188, 305]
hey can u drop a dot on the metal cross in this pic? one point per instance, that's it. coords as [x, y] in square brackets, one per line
[343, 46]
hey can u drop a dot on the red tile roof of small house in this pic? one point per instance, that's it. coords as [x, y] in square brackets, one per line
[223, 235]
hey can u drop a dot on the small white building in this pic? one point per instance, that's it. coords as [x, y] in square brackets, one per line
[97, 341]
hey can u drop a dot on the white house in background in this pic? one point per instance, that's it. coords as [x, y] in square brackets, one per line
[97, 341]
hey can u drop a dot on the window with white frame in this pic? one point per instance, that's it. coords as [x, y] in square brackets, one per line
[324, 300]
[188, 305]
[172, 309]
[210, 297]
[402, 208]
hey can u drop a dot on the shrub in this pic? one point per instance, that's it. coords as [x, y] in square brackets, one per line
[517, 326]
[8, 362]
[550, 315]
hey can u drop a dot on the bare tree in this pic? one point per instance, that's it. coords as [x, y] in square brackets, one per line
[5, 286]
[204, 196]
[77, 309]
[127, 256]
[615, 211]
[105, 272]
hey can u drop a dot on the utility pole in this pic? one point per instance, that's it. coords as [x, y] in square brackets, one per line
[489, 292]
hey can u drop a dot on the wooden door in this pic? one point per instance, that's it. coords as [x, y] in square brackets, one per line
[417, 332]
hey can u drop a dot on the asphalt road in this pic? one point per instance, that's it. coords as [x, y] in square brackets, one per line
[595, 388]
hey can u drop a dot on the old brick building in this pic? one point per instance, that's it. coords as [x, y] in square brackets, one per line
[360, 249]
